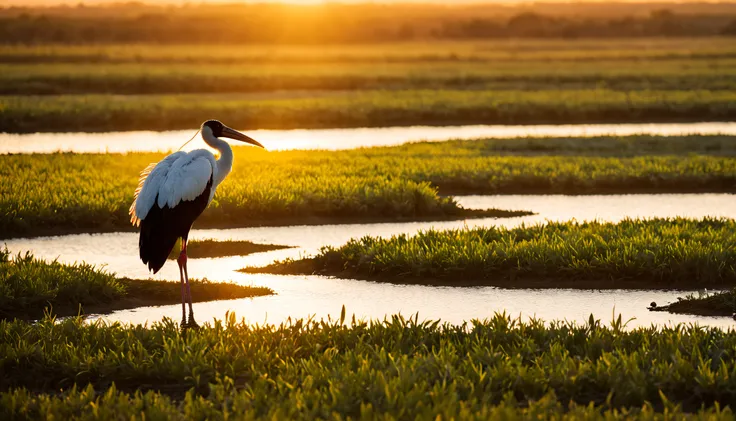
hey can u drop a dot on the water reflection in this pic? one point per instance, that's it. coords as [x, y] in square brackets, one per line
[322, 297]
[334, 139]
[302, 296]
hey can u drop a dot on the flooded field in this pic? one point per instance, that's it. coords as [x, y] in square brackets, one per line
[335, 139]
[368, 113]
[303, 296]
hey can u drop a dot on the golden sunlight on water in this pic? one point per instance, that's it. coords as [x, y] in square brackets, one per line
[304, 296]
[335, 139]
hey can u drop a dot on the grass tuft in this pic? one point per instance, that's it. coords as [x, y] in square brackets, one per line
[719, 303]
[30, 286]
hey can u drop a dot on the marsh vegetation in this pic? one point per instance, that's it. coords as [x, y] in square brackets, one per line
[58, 193]
[375, 108]
[644, 254]
[146, 87]
[715, 303]
[398, 367]
[29, 287]
[209, 248]
[373, 66]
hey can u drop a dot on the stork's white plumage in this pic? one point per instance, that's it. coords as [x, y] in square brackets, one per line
[181, 176]
[171, 195]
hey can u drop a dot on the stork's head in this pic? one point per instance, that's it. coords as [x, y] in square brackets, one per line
[214, 129]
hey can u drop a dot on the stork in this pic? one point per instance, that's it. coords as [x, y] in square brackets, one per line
[171, 195]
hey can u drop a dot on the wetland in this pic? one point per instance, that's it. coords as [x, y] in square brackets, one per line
[457, 228]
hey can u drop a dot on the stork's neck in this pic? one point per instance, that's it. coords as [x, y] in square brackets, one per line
[225, 163]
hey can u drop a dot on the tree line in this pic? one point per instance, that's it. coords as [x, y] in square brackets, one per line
[134, 23]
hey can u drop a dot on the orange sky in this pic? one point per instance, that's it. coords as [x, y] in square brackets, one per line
[34, 2]
[74, 2]
[92, 2]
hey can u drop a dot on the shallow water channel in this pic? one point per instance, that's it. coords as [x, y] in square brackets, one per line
[319, 296]
[334, 139]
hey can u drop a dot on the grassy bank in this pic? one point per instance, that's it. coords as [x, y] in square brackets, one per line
[207, 248]
[368, 108]
[657, 253]
[397, 368]
[93, 192]
[28, 286]
[59, 193]
[720, 303]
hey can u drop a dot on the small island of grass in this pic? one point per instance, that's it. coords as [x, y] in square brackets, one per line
[633, 254]
[720, 303]
[209, 248]
[31, 286]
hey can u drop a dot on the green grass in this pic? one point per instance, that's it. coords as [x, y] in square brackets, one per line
[398, 368]
[149, 292]
[364, 108]
[29, 286]
[275, 75]
[57, 193]
[719, 303]
[93, 193]
[207, 248]
[142, 87]
[631, 50]
[88, 404]
[656, 253]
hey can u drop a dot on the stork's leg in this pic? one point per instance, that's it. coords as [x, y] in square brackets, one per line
[182, 261]
[192, 322]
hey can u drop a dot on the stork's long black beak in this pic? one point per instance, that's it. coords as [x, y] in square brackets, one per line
[234, 134]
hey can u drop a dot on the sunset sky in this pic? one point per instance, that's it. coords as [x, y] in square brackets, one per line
[74, 2]
[303, 2]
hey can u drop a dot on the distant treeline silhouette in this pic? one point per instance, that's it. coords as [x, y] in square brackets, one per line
[335, 23]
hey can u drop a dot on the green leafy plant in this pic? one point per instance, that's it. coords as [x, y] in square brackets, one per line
[654, 253]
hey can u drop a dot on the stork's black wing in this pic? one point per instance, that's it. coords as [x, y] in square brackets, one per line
[163, 226]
